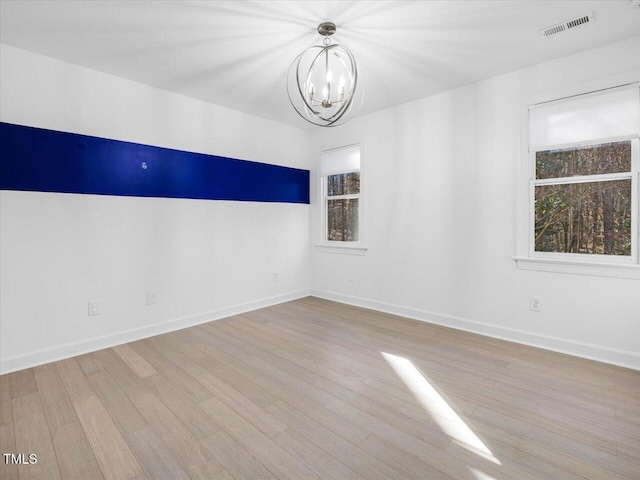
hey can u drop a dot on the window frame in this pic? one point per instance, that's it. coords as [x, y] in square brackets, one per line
[336, 246]
[635, 203]
[526, 258]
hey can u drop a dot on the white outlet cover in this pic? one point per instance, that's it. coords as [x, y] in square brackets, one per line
[151, 298]
[94, 308]
[535, 304]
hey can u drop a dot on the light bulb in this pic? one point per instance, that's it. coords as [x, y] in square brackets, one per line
[329, 76]
[342, 81]
[325, 93]
[312, 89]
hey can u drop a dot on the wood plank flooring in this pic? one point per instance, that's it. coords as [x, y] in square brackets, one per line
[313, 389]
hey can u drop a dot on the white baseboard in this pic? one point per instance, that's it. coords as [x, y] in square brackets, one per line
[592, 352]
[599, 353]
[60, 352]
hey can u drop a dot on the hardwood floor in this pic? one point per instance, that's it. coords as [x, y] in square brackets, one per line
[315, 389]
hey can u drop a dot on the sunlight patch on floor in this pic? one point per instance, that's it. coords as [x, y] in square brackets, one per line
[478, 475]
[439, 410]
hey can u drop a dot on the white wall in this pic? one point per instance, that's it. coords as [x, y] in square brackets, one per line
[442, 179]
[203, 259]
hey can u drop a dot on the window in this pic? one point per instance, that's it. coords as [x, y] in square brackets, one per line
[341, 200]
[583, 201]
[584, 163]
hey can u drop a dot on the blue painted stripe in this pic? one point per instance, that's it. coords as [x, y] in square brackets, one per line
[35, 159]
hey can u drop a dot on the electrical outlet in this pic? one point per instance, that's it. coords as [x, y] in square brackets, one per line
[94, 308]
[350, 277]
[535, 304]
[276, 276]
[151, 298]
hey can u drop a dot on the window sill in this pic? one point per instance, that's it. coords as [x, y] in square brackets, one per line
[341, 249]
[574, 267]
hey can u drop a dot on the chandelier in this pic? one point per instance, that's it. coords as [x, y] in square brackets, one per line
[322, 82]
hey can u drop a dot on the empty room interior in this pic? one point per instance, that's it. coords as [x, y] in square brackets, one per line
[320, 240]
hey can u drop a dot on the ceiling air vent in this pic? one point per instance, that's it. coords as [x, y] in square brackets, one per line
[569, 24]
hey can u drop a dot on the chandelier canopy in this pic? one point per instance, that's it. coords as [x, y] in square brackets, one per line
[322, 82]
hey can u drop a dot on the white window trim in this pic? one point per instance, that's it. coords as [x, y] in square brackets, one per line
[577, 267]
[345, 248]
[579, 264]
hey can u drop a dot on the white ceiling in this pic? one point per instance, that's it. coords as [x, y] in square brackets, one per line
[237, 53]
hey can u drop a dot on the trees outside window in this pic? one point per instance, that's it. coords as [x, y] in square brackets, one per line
[343, 199]
[583, 200]
[341, 194]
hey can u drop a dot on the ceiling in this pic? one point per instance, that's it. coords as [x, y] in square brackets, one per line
[237, 53]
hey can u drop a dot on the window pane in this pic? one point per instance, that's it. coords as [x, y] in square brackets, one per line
[342, 220]
[343, 184]
[593, 217]
[590, 160]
